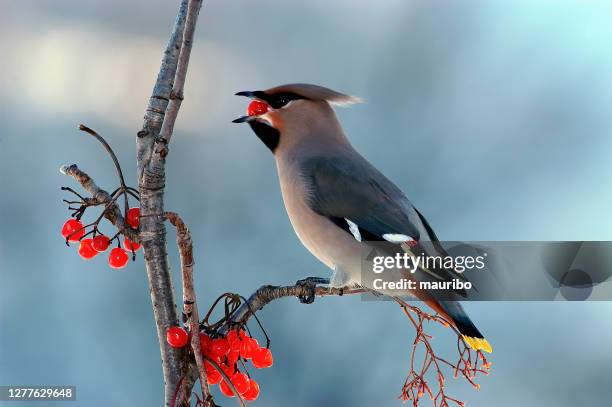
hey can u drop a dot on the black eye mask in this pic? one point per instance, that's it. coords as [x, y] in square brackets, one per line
[277, 100]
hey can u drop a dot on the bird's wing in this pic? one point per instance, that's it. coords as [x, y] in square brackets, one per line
[359, 199]
[351, 189]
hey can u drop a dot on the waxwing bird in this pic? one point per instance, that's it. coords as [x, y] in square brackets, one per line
[336, 200]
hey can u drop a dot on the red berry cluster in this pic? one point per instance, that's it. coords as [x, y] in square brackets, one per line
[226, 351]
[74, 231]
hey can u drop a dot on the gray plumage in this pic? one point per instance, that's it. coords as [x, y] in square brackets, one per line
[336, 200]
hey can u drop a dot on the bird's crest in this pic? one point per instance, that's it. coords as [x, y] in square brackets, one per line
[315, 92]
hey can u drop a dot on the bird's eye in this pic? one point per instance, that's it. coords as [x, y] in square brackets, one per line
[280, 101]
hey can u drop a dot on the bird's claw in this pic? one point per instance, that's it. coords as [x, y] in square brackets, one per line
[309, 286]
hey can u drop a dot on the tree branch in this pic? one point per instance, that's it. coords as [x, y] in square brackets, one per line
[160, 97]
[151, 183]
[190, 306]
[176, 96]
[101, 197]
[265, 295]
[268, 293]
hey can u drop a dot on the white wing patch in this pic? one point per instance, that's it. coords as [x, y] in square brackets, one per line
[354, 229]
[397, 238]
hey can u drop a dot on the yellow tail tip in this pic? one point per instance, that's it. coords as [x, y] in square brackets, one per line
[478, 343]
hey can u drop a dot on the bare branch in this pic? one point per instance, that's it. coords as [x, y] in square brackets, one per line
[113, 157]
[268, 293]
[156, 109]
[101, 197]
[176, 96]
[190, 306]
[151, 185]
[416, 384]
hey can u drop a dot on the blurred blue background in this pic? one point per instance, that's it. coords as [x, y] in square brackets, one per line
[494, 118]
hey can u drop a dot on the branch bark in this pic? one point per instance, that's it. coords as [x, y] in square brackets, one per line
[160, 97]
[100, 197]
[190, 306]
[268, 293]
[176, 95]
[151, 183]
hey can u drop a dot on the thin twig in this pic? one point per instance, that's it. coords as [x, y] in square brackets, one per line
[268, 293]
[190, 306]
[160, 96]
[101, 197]
[113, 157]
[227, 380]
[176, 96]
[416, 385]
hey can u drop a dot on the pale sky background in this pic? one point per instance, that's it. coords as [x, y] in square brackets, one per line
[493, 116]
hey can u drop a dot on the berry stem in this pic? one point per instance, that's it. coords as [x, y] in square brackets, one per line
[110, 151]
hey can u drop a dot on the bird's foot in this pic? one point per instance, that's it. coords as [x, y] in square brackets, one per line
[309, 287]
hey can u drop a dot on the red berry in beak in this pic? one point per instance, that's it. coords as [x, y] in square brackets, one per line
[257, 108]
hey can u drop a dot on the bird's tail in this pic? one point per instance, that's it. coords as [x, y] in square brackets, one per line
[465, 326]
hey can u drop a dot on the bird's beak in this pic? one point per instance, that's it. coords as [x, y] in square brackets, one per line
[244, 119]
[252, 95]
[247, 93]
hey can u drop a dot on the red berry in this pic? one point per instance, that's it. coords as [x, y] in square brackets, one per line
[219, 347]
[131, 246]
[247, 347]
[233, 339]
[262, 358]
[212, 374]
[100, 243]
[117, 258]
[232, 335]
[86, 251]
[253, 392]
[205, 343]
[73, 230]
[229, 370]
[133, 217]
[226, 390]
[240, 382]
[177, 336]
[257, 107]
[232, 357]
